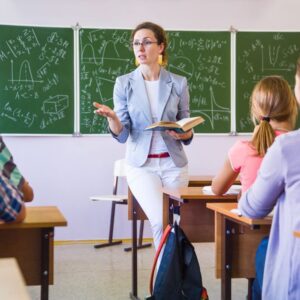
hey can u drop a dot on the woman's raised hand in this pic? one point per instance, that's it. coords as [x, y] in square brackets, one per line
[103, 110]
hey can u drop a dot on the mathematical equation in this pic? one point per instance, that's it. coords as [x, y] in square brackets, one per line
[36, 94]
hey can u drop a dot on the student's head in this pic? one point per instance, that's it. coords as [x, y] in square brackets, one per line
[297, 81]
[272, 100]
[147, 53]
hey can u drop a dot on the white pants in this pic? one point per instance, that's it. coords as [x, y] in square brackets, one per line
[146, 184]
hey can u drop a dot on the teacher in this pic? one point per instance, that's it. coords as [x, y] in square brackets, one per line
[155, 159]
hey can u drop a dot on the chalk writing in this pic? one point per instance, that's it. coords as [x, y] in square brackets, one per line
[36, 86]
[105, 54]
[202, 57]
[260, 54]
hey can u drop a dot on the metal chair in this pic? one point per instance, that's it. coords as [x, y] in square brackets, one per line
[115, 198]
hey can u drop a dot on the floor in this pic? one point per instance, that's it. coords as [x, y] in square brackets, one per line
[84, 273]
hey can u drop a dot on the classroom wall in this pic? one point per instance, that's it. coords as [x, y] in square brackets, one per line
[65, 170]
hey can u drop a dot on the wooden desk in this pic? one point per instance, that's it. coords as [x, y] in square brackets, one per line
[297, 234]
[237, 239]
[12, 284]
[31, 243]
[198, 222]
[203, 180]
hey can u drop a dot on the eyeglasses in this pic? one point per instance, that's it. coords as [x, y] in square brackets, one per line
[145, 44]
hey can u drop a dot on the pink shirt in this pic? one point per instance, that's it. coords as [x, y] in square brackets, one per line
[245, 161]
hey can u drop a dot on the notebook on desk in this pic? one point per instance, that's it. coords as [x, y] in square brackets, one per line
[233, 190]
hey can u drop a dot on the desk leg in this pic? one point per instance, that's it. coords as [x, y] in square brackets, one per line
[46, 235]
[167, 211]
[134, 292]
[226, 260]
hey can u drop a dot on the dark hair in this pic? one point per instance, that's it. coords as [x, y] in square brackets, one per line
[159, 34]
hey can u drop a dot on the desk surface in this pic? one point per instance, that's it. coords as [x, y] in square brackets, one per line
[39, 217]
[224, 209]
[297, 234]
[194, 193]
[202, 180]
[12, 284]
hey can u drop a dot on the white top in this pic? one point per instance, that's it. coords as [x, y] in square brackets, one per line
[157, 144]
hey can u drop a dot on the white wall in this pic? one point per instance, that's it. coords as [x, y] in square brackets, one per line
[65, 171]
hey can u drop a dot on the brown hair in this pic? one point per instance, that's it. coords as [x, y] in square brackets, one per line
[159, 34]
[298, 67]
[272, 98]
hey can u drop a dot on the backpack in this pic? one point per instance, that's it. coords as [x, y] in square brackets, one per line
[178, 276]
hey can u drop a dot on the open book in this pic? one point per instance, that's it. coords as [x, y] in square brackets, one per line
[180, 126]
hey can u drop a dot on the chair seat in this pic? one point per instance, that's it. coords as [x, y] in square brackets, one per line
[109, 198]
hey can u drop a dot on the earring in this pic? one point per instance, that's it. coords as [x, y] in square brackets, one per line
[136, 62]
[160, 59]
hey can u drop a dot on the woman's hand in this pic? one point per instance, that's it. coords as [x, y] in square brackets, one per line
[180, 136]
[104, 111]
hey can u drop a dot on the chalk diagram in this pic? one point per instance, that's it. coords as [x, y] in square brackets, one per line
[24, 75]
[55, 105]
[270, 60]
[214, 110]
[182, 65]
[88, 56]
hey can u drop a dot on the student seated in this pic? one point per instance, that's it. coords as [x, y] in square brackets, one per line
[11, 171]
[14, 189]
[12, 208]
[278, 186]
[274, 111]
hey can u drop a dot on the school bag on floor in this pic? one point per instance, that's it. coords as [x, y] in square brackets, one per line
[178, 276]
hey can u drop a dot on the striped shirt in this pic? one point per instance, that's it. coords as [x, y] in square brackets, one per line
[10, 200]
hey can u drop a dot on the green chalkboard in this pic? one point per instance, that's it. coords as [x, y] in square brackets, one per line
[36, 80]
[203, 57]
[261, 54]
[104, 55]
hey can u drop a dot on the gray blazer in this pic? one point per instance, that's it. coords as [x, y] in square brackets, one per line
[132, 106]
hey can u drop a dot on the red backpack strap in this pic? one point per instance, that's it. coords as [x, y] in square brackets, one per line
[161, 244]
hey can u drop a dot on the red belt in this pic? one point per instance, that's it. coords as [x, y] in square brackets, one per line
[159, 155]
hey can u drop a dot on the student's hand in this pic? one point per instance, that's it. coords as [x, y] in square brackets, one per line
[180, 136]
[104, 111]
[27, 192]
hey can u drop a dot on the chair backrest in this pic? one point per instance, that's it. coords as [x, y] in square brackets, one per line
[119, 171]
[120, 168]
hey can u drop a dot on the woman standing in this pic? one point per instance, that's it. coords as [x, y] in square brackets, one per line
[155, 159]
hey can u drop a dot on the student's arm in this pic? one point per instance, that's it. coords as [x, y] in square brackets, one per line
[262, 196]
[27, 192]
[21, 215]
[224, 179]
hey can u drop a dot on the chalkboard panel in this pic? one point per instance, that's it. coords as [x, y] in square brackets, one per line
[104, 54]
[203, 57]
[261, 54]
[37, 80]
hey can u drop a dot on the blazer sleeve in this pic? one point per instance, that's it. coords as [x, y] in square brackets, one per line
[184, 106]
[121, 109]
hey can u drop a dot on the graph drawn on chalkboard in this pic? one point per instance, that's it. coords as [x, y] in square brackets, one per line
[260, 54]
[202, 57]
[104, 54]
[36, 82]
